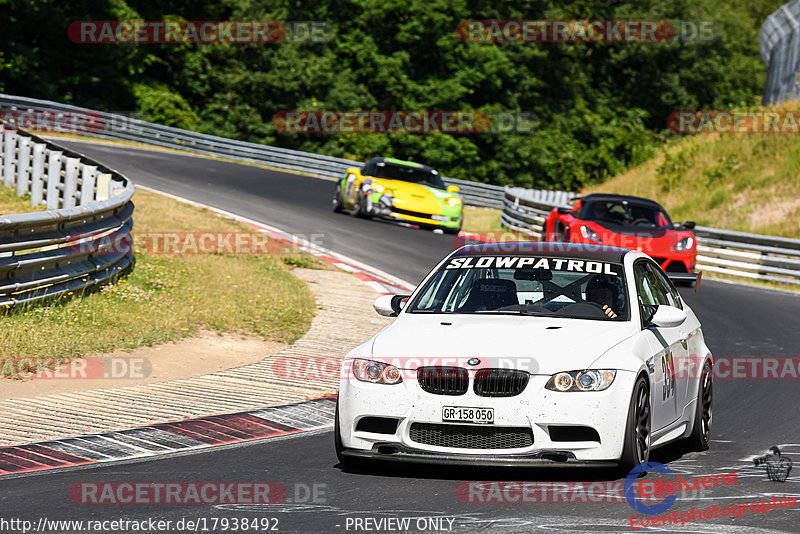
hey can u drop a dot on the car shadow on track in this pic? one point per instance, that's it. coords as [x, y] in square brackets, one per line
[393, 469]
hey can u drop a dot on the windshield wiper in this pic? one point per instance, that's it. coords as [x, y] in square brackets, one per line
[514, 312]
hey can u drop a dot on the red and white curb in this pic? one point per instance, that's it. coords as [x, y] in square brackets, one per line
[380, 281]
[165, 438]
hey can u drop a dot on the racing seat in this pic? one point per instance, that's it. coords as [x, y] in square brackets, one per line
[490, 294]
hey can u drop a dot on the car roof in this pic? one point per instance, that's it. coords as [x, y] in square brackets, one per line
[393, 161]
[550, 249]
[611, 196]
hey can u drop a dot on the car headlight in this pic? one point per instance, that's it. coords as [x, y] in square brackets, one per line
[453, 201]
[590, 234]
[376, 372]
[589, 380]
[377, 188]
[684, 244]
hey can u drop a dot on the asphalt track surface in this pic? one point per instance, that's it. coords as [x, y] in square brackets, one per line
[749, 415]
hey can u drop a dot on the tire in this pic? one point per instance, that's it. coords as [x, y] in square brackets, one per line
[699, 439]
[638, 428]
[454, 231]
[361, 208]
[337, 200]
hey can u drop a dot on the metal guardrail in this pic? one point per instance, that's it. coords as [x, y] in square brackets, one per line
[75, 244]
[758, 257]
[737, 254]
[524, 210]
[73, 119]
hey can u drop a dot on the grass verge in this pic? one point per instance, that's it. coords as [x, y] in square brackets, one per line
[748, 182]
[486, 221]
[169, 296]
[10, 203]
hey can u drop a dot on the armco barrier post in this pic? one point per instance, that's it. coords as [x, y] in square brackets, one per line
[37, 174]
[87, 184]
[23, 166]
[53, 179]
[103, 187]
[71, 182]
[10, 152]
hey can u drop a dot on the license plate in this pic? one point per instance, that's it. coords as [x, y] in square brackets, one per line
[440, 218]
[461, 414]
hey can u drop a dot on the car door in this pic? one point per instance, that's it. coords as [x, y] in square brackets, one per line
[688, 357]
[665, 345]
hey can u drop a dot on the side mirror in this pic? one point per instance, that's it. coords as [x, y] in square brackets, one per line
[668, 317]
[453, 189]
[389, 305]
[563, 211]
[688, 225]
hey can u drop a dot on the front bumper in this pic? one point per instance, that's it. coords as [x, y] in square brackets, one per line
[677, 262]
[536, 411]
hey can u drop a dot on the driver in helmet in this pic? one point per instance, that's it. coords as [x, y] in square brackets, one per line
[603, 291]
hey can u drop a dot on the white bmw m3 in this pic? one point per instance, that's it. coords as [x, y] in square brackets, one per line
[529, 354]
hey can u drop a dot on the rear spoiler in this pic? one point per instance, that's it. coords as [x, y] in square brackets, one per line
[686, 278]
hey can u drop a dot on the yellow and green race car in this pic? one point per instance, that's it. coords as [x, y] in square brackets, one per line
[400, 191]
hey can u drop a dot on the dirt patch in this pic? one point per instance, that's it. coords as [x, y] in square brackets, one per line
[777, 211]
[206, 353]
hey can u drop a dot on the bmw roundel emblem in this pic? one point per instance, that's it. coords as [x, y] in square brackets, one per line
[473, 361]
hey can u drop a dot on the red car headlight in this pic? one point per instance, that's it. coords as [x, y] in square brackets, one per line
[684, 244]
[590, 234]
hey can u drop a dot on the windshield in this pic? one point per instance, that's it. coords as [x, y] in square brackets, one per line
[525, 285]
[626, 213]
[409, 174]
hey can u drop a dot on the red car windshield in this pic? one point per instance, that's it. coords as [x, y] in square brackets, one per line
[626, 213]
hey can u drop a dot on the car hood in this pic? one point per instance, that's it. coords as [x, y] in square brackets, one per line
[650, 240]
[539, 345]
[420, 197]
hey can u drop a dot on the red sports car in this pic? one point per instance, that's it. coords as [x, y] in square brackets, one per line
[626, 222]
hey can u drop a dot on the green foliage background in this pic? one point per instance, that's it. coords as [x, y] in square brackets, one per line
[602, 107]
